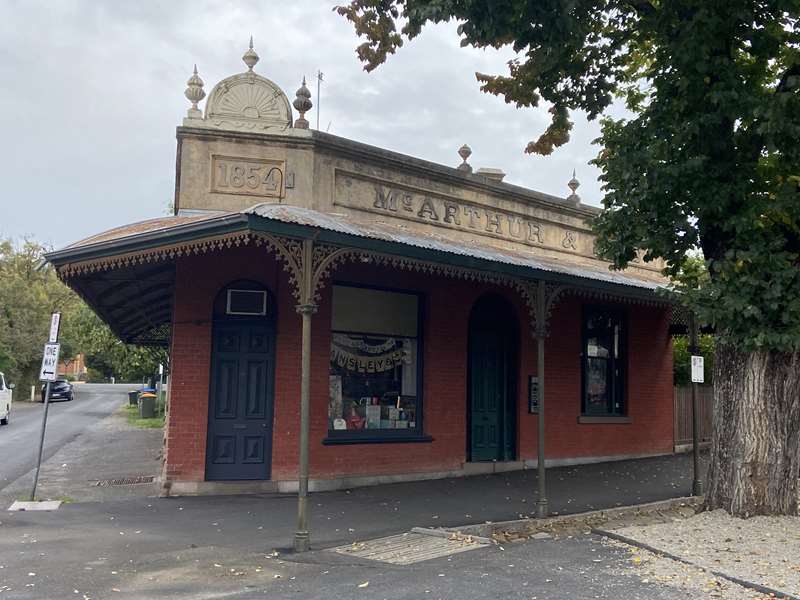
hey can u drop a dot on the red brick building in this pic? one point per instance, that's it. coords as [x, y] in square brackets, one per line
[422, 317]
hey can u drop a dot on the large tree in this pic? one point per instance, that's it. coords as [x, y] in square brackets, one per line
[707, 159]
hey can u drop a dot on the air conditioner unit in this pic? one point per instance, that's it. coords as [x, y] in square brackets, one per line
[247, 302]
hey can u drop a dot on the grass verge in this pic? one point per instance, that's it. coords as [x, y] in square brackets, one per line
[132, 414]
[64, 499]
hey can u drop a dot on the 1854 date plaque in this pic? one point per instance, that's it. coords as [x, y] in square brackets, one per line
[248, 176]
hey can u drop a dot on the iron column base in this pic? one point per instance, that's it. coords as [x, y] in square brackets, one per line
[542, 509]
[302, 541]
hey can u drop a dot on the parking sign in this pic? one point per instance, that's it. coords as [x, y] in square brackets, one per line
[698, 368]
[55, 321]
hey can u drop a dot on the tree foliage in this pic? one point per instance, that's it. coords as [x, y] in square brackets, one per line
[104, 351]
[681, 359]
[709, 157]
[29, 293]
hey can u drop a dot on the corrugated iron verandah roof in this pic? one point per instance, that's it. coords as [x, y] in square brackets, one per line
[127, 274]
[395, 234]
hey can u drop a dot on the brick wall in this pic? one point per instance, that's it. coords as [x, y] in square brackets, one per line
[447, 305]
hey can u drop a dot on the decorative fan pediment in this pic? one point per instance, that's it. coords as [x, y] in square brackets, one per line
[245, 102]
[248, 102]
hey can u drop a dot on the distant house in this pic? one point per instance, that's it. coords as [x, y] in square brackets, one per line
[74, 367]
[419, 316]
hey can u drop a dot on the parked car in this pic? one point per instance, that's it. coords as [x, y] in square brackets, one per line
[60, 389]
[5, 400]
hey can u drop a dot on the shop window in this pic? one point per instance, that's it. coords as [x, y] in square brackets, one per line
[603, 362]
[374, 365]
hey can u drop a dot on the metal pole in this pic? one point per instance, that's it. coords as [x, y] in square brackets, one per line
[542, 509]
[41, 440]
[159, 387]
[302, 537]
[319, 84]
[697, 484]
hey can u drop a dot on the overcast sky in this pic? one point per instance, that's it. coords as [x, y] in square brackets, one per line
[91, 93]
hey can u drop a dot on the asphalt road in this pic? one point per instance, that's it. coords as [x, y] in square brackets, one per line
[65, 421]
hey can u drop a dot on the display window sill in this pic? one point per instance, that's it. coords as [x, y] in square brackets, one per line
[336, 440]
[610, 420]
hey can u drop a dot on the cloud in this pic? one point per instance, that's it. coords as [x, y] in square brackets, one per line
[92, 93]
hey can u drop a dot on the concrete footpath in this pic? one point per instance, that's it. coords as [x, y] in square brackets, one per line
[66, 422]
[171, 547]
[106, 450]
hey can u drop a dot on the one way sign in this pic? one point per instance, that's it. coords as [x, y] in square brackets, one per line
[49, 362]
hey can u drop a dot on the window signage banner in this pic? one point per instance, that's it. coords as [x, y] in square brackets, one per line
[362, 346]
[373, 363]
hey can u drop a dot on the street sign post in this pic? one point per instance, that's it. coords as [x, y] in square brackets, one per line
[47, 373]
[697, 368]
[55, 322]
[49, 369]
[160, 387]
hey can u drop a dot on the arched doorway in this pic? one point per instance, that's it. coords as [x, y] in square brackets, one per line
[241, 390]
[492, 380]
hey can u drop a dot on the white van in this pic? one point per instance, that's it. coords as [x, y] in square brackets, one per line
[5, 401]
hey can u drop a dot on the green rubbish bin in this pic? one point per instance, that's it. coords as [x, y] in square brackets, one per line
[133, 397]
[147, 406]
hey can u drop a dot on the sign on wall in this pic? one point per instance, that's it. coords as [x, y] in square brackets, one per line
[698, 369]
[533, 395]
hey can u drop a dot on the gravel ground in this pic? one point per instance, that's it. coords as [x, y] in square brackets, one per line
[694, 582]
[764, 550]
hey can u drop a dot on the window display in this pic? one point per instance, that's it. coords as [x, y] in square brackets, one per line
[374, 363]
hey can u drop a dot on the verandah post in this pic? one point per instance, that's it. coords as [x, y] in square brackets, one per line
[302, 537]
[542, 508]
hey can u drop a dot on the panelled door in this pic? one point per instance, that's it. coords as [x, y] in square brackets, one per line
[492, 373]
[487, 395]
[241, 402]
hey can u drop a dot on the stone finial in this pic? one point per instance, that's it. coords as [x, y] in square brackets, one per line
[573, 184]
[302, 104]
[195, 93]
[464, 152]
[250, 57]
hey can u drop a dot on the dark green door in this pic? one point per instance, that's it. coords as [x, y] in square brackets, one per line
[241, 401]
[492, 381]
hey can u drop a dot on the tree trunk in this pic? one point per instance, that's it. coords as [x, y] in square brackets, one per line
[755, 451]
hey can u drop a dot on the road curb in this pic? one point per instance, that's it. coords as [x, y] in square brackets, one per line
[742, 582]
[530, 525]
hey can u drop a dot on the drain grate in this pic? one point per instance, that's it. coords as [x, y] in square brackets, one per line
[413, 547]
[139, 479]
